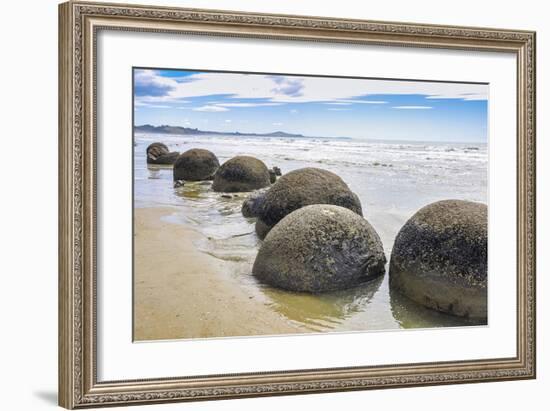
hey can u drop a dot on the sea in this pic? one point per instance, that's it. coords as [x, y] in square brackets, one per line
[393, 180]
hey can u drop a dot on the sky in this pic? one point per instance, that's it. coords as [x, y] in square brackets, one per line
[312, 106]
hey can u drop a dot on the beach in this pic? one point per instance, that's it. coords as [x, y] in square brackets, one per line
[194, 250]
[183, 292]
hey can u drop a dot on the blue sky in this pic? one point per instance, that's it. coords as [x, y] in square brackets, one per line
[312, 106]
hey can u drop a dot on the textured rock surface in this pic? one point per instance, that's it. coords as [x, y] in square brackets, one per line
[252, 206]
[320, 248]
[240, 174]
[261, 229]
[195, 165]
[158, 153]
[439, 258]
[304, 187]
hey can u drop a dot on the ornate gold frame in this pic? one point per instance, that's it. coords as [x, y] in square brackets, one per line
[78, 26]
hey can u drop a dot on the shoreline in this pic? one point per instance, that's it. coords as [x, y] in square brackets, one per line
[181, 292]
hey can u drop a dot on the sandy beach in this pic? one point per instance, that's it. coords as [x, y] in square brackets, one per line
[181, 292]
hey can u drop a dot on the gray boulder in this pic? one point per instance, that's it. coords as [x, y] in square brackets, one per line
[320, 248]
[261, 229]
[439, 258]
[304, 187]
[158, 153]
[241, 174]
[195, 165]
[252, 206]
[274, 172]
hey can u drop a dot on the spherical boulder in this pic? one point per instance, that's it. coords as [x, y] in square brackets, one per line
[195, 165]
[320, 248]
[158, 153]
[240, 174]
[306, 186]
[439, 258]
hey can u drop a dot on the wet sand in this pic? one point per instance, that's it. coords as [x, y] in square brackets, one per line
[181, 292]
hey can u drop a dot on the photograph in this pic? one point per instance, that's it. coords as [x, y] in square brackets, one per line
[272, 204]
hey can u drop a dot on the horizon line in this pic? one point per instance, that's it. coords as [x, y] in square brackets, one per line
[299, 135]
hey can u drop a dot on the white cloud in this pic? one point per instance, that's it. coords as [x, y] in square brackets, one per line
[148, 105]
[228, 121]
[350, 102]
[277, 124]
[293, 111]
[210, 109]
[247, 104]
[365, 101]
[412, 107]
[339, 109]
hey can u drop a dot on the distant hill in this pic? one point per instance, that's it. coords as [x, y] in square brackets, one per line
[148, 128]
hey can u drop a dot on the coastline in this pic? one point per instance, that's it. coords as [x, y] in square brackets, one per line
[181, 292]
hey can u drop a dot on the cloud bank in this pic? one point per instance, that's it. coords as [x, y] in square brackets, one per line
[151, 88]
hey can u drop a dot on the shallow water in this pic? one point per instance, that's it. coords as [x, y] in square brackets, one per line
[393, 180]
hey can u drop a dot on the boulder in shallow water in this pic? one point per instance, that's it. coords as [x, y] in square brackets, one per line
[158, 153]
[272, 176]
[320, 248]
[195, 165]
[241, 174]
[439, 258]
[306, 186]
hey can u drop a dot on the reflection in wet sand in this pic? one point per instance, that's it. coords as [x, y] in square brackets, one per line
[320, 312]
[412, 315]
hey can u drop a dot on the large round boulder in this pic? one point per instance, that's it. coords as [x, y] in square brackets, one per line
[240, 174]
[196, 165]
[158, 153]
[439, 258]
[299, 188]
[320, 248]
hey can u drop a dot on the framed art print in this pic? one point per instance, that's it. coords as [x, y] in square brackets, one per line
[259, 205]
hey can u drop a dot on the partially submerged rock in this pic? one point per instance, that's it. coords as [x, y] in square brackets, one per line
[158, 153]
[241, 174]
[439, 258]
[304, 187]
[320, 248]
[195, 165]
